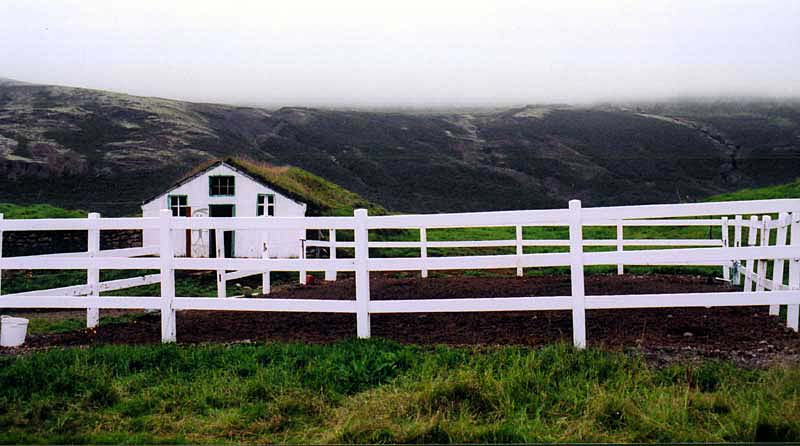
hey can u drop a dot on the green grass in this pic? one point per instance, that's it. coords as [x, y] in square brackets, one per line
[382, 392]
[43, 325]
[542, 233]
[790, 190]
[37, 211]
[187, 283]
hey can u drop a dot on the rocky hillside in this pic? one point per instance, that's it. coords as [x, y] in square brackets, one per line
[106, 151]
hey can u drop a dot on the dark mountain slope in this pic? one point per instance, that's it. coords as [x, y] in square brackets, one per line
[763, 136]
[105, 151]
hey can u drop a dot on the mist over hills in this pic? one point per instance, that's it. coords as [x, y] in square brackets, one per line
[106, 151]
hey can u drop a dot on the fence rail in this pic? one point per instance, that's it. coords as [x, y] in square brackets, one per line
[772, 241]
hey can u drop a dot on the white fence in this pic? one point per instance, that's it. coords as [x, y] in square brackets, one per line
[748, 258]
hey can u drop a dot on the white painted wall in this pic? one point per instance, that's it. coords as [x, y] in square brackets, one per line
[281, 243]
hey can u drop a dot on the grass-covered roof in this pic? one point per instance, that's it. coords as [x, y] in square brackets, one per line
[323, 197]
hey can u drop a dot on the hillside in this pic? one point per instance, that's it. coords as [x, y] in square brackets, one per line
[789, 190]
[105, 151]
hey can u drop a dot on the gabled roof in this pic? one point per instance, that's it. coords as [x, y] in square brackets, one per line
[320, 196]
[230, 165]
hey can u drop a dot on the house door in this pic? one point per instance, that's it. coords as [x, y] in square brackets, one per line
[229, 237]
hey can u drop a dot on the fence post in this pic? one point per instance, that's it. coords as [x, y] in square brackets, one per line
[93, 273]
[330, 274]
[752, 232]
[620, 245]
[737, 243]
[762, 263]
[303, 275]
[726, 269]
[361, 236]
[166, 254]
[737, 232]
[1, 253]
[423, 250]
[777, 266]
[793, 311]
[220, 254]
[519, 249]
[576, 274]
[265, 278]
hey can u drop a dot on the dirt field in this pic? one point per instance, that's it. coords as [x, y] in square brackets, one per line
[747, 335]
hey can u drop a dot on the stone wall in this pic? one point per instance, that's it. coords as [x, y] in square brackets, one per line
[28, 243]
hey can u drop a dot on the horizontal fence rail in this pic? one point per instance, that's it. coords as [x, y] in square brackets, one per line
[755, 243]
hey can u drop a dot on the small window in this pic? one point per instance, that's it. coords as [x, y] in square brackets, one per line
[221, 185]
[179, 204]
[265, 205]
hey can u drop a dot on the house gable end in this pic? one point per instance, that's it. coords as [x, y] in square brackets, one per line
[233, 169]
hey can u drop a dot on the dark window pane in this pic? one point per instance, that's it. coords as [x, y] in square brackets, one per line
[271, 199]
[259, 211]
[221, 185]
[178, 204]
[271, 211]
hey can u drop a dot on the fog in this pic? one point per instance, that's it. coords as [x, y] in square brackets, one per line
[409, 52]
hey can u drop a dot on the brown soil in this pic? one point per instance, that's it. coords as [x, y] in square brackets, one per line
[747, 335]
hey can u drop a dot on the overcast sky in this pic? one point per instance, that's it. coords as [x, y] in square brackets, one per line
[406, 51]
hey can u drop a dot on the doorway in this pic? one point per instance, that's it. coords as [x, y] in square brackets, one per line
[229, 237]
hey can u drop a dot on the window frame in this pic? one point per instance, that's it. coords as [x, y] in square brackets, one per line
[176, 209]
[264, 204]
[211, 186]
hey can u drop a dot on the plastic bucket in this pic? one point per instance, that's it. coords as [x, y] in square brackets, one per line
[12, 331]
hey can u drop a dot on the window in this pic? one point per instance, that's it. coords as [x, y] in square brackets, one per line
[266, 205]
[221, 185]
[179, 204]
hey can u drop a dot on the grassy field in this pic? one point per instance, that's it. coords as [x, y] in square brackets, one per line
[381, 392]
[43, 325]
[37, 211]
[789, 190]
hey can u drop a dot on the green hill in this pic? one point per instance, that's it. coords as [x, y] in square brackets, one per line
[790, 190]
[106, 152]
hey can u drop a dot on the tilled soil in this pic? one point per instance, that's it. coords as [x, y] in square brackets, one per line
[746, 335]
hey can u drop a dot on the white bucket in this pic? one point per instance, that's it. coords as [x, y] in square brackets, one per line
[12, 331]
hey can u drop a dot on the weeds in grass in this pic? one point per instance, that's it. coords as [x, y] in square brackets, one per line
[384, 392]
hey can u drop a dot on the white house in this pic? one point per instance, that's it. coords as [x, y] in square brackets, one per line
[226, 190]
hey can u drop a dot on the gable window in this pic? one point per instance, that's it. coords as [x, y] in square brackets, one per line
[179, 204]
[265, 205]
[221, 185]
